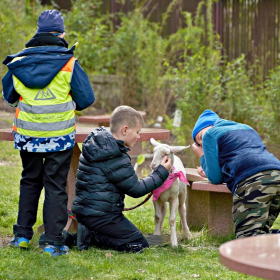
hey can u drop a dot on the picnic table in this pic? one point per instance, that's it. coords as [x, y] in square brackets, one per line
[101, 119]
[81, 133]
[256, 255]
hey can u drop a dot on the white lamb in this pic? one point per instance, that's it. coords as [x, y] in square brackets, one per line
[175, 195]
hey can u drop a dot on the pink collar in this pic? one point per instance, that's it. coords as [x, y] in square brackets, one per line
[169, 181]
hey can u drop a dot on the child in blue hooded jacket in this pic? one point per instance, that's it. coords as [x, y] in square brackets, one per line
[46, 84]
[233, 153]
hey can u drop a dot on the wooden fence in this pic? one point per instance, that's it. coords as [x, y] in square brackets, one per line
[249, 27]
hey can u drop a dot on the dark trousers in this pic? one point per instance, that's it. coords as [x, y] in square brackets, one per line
[114, 231]
[48, 170]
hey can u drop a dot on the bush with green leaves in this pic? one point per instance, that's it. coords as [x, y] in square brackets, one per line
[158, 72]
[272, 101]
[18, 24]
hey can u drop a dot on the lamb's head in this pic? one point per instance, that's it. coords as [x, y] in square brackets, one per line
[162, 150]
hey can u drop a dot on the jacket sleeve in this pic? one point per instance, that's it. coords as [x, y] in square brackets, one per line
[130, 185]
[9, 93]
[210, 160]
[81, 90]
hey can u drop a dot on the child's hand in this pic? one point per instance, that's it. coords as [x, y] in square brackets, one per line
[166, 162]
[197, 150]
[201, 172]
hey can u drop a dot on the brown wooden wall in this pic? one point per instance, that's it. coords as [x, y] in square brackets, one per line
[252, 27]
[60, 4]
[249, 27]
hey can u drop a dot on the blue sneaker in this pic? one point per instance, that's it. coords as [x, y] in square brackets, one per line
[19, 242]
[55, 250]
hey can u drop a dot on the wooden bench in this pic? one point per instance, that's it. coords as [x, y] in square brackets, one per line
[208, 205]
[101, 119]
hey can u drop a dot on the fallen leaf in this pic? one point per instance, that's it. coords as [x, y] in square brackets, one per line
[195, 275]
[141, 270]
[108, 255]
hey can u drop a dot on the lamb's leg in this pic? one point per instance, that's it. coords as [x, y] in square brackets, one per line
[182, 213]
[163, 213]
[160, 211]
[173, 205]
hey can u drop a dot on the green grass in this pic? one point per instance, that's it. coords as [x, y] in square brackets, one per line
[194, 258]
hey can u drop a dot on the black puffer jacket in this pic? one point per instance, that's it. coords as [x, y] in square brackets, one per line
[105, 175]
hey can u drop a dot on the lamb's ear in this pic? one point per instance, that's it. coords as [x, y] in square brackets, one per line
[177, 149]
[154, 142]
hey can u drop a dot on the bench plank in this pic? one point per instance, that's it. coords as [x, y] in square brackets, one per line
[193, 176]
[101, 119]
[207, 186]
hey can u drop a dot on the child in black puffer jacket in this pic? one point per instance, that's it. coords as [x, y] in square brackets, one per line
[104, 176]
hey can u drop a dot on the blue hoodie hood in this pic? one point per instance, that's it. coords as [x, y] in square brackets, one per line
[38, 65]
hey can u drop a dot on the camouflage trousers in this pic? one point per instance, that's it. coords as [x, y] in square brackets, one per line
[256, 203]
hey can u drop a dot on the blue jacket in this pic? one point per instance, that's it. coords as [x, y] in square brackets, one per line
[233, 152]
[43, 58]
[38, 69]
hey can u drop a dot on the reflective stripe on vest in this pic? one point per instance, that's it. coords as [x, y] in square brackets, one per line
[47, 112]
[46, 127]
[47, 108]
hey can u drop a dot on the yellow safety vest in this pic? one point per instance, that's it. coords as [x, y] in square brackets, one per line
[47, 112]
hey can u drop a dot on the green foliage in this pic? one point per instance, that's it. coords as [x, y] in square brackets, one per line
[189, 65]
[154, 70]
[272, 96]
[18, 21]
[140, 159]
[134, 50]
[85, 24]
[203, 79]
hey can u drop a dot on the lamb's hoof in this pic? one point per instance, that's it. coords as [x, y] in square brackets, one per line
[189, 236]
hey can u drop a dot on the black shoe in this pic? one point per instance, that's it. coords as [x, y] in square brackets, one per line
[134, 248]
[275, 231]
[84, 237]
[70, 238]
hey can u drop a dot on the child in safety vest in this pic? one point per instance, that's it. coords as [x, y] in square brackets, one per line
[46, 84]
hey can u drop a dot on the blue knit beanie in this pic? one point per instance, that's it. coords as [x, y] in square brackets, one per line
[207, 118]
[50, 20]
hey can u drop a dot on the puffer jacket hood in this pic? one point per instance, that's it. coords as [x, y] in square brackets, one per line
[105, 175]
[33, 65]
[100, 145]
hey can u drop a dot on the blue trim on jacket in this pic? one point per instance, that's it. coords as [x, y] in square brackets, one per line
[38, 68]
[234, 152]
